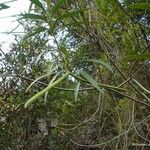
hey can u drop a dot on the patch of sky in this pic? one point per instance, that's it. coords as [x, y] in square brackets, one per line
[8, 21]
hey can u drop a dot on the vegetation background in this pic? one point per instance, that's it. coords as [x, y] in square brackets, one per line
[79, 78]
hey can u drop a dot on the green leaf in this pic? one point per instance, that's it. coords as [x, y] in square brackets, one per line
[45, 98]
[68, 15]
[39, 57]
[138, 57]
[140, 6]
[90, 80]
[76, 91]
[32, 16]
[142, 87]
[102, 63]
[57, 6]
[36, 81]
[50, 86]
[64, 51]
[50, 71]
[37, 3]
[69, 103]
[36, 31]
[101, 4]
[3, 6]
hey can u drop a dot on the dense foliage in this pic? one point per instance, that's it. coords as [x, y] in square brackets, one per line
[79, 78]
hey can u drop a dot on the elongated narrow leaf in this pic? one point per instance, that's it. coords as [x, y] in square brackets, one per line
[3, 6]
[46, 94]
[69, 103]
[45, 98]
[35, 81]
[68, 14]
[76, 91]
[101, 4]
[36, 31]
[142, 87]
[37, 3]
[39, 57]
[102, 63]
[57, 6]
[140, 6]
[138, 57]
[50, 86]
[90, 80]
[51, 69]
[32, 16]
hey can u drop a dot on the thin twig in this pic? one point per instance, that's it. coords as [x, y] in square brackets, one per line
[130, 77]
[84, 89]
[109, 141]
[87, 120]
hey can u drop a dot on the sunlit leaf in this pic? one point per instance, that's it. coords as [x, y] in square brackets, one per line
[101, 4]
[36, 81]
[142, 87]
[51, 69]
[145, 56]
[39, 57]
[90, 80]
[76, 91]
[69, 103]
[46, 94]
[45, 98]
[140, 6]
[50, 86]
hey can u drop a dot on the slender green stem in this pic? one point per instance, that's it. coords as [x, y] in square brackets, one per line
[106, 86]
[39, 94]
